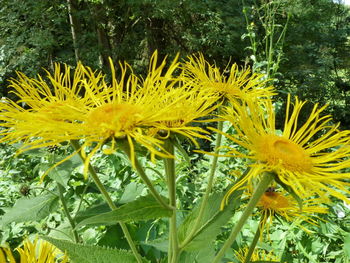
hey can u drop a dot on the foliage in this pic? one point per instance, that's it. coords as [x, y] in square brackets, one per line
[306, 56]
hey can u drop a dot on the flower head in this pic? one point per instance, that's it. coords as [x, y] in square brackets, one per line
[182, 104]
[91, 109]
[309, 158]
[258, 255]
[184, 113]
[231, 83]
[282, 205]
[46, 113]
[35, 252]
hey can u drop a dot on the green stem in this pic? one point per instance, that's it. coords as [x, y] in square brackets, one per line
[141, 172]
[255, 240]
[81, 199]
[109, 201]
[264, 183]
[213, 166]
[66, 211]
[169, 164]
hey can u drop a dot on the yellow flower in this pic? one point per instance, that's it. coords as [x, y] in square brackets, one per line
[258, 255]
[141, 110]
[280, 204]
[6, 255]
[230, 83]
[310, 158]
[47, 113]
[88, 108]
[39, 251]
[180, 105]
[184, 113]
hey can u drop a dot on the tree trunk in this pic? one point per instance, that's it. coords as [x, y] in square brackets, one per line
[73, 26]
[98, 13]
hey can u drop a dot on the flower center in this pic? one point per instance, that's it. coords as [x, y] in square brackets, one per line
[115, 119]
[273, 201]
[277, 150]
[286, 148]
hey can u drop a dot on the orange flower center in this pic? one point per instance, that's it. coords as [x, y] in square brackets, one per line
[115, 119]
[276, 150]
[273, 201]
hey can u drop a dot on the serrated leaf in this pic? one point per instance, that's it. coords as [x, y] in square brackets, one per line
[113, 237]
[31, 209]
[144, 208]
[92, 254]
[211, 222]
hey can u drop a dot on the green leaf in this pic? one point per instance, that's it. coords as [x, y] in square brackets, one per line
[211, 222]
[92, 254]
[206, 254]
[132, 191]
[346, 246]
[62, 173]
[113, 237]
[162, 244]
[93, 211]
[31, 209]
[181, 149]
[144, 208]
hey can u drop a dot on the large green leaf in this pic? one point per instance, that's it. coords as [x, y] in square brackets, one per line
[31, 209]
[144, 208]
[92, 254]
[211, 221]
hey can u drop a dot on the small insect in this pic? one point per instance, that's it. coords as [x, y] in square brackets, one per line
[24, 190]
[52, 148]
[270, 191]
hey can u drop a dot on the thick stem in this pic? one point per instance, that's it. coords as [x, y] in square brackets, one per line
[255, 240]
[208, 190]
[109, 201]
[173, 251]
[141, 172]
[66, 211]
[264, 183]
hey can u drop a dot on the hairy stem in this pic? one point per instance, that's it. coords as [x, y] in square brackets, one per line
[141, 172]
[66, 211]
[169, 165]
[264, 183]
[109, 201]
[255, 240]
[208, 189]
